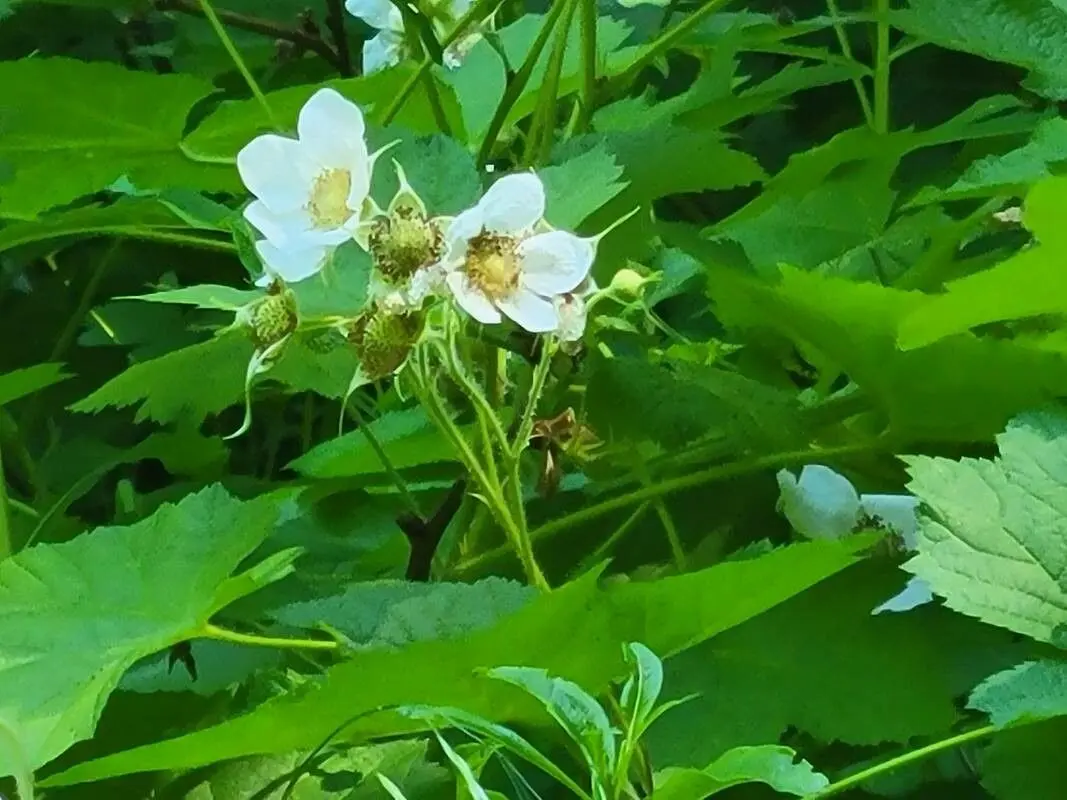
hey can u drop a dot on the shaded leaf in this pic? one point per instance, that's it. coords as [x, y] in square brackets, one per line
[1026, 693]
[773, 765]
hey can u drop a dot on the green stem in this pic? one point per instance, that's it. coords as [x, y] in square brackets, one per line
[664, 42]
[846, 51]
[587, 97]
[881, 68]
[6, 545]
[537, 387]
[673, 539]
[719, 472]
[602, 552]
[238, 61]
[540, 139]
[483, 9]
[519, 80]
[209, 631]
[861, 777]
[394, 475]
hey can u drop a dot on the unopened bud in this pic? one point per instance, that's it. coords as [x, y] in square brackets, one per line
[628, 282]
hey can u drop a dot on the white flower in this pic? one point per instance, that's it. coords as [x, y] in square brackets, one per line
[389, 46]
[498, 263]
[311, 191]
[824, 504]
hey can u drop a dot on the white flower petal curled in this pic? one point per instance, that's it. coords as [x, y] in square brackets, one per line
[380, 14]
[382, 51]
[572, 311]
[293, 264]
[822, 504]
[531, 311]
[310, 191]
[916, 592]
[556, 262]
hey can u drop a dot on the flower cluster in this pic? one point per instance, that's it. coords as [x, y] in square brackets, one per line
[823, 504]
[497, 259]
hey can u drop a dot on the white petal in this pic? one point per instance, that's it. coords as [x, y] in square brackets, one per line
[915, 593]
[531, 311]
[461, 230]
[821, 505]
[280, 229]
[292, 265]
[275, 170]
[471, 300]
[513, 204]
[331, 129]
[381, 52]
[555, 262]
[380, 14]
[897, 511]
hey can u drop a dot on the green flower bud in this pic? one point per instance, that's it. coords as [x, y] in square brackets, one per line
[403, 242]
[628, 282]
[382, 340]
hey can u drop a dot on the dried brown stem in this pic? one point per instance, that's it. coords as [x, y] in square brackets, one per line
[300, 38]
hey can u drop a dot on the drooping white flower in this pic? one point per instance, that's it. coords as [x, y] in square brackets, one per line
[311, 191]
[389, 46]
[823, 504]
[501, 261]
[573, 311]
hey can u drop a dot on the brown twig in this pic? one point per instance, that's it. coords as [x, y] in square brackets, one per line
[335, 23]
[301, 38]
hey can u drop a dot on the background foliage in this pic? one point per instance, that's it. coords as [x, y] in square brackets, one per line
[851, 240]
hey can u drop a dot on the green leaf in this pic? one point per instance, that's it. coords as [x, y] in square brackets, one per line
[470, 781]
[580, 186]
[76, 616]
[1026, 763]
[408, 438]
[219, 666]
[687, 609]
[861, 679]
[204, 295]
[773, 765]
[495, 734]
[1027, 33]
[632, 400]
[236, 122]
[1026, 693]
[24, 382]
[136, 218]
[642, 689]
[440, 170]
[1029, 284]
[1010, 173]
[578, 713]
[1005, 517]
[160, 387]
[395, 613]
[91, 125]
[960, 389]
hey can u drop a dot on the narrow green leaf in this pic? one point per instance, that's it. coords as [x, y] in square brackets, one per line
[773, 765]
[24, 382]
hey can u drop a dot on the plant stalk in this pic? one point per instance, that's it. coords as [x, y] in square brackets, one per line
[209, 631]
[881, 68]
[6, 544]
[238, 61]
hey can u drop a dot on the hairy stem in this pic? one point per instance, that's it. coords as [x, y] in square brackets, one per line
[861, 777]
[209, 631]
[846, 51]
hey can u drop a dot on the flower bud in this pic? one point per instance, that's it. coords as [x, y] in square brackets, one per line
[383, 339]
[628, 282]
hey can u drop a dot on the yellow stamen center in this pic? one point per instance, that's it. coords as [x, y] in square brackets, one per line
[329, 198]
[492, 265]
